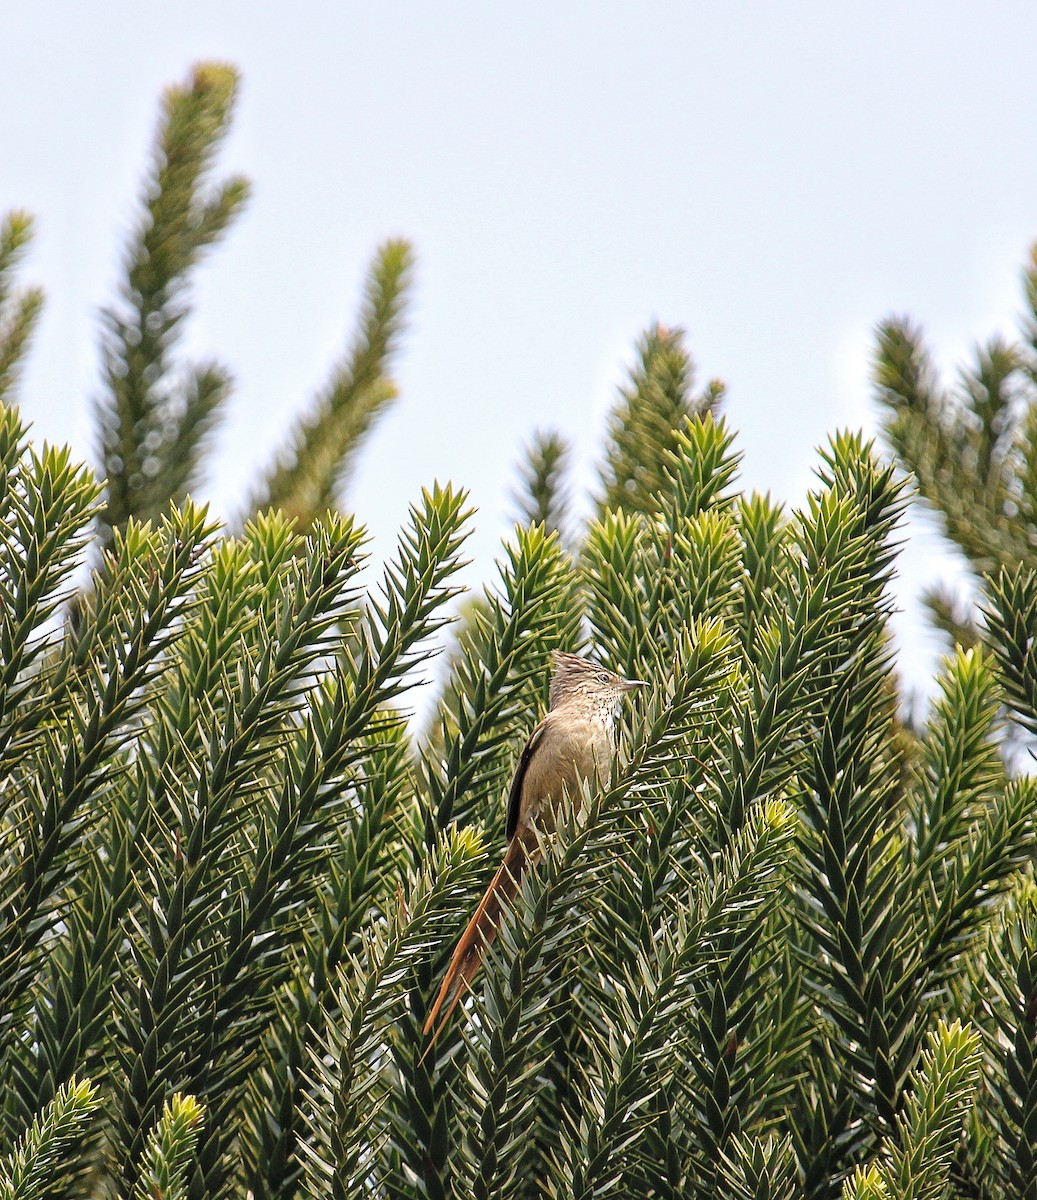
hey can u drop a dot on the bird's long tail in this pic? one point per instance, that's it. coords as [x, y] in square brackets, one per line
[479, 933]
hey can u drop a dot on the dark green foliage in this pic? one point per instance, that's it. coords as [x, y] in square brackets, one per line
[971, 449]
[775, 957]
[964, 447]
[915, 1166]
[58, 790]
[366, 848]
[226, 875]
[357, 877]
[45, 502]
[643, 426]
[186, 857]
[700, 976]
[239, 847]
[28, 1171]
[542, 958]
[760, 1169]
[169, 1150]
[19, 311]
[354, 1066]
[1007, 996]
[154, 417]
[307, 478]
[1010, 619]
[543, 496]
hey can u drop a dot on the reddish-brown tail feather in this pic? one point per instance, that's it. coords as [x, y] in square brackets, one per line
[480, 931]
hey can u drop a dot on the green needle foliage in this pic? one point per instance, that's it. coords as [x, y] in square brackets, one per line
[915, 1166]
[650, 410]
[760, 1169]
[971, 448]
[306, 479]
[28, 1172]
[773, 959]
[232, 874]
[19, 311]
[164, 1172]
[156, 414]
[154, 417]
[1010, 619]
[542, 497]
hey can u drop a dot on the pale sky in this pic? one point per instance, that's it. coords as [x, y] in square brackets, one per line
[773, 177]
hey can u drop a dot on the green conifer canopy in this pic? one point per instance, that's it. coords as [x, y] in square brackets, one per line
[789, 952]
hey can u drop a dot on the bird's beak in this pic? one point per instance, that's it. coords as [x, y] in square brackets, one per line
[631, 685]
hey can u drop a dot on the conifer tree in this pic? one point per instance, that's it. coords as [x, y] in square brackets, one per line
[642, 425]
[307, 478]
[765, 961]
[542, 497]
[156, 415]
[229, 874]
[972, 448]
[153, 417]
[19, 311]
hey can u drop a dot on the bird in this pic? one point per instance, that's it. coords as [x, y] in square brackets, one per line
[575, 741]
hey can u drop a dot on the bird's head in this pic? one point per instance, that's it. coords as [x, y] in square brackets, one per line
[577, 680]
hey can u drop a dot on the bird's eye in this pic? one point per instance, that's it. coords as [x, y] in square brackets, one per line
[603, 677]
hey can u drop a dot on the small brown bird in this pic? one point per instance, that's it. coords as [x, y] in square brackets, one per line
[575, 741]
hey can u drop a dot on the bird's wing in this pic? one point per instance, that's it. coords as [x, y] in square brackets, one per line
[515, 796]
